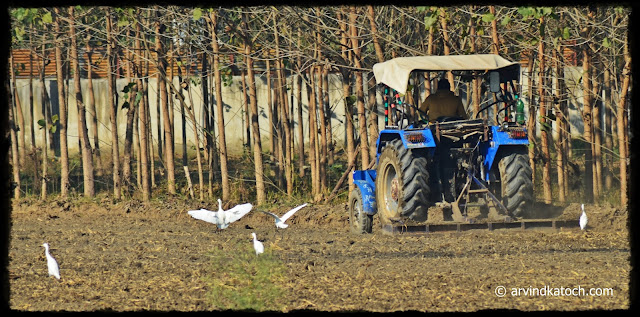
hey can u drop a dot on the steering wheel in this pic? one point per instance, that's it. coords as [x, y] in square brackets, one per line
[507, 103]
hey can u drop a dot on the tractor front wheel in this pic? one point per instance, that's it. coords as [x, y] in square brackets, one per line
[359, 222]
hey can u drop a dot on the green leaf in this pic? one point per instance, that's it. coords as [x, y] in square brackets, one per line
[138, 98]
[505, 21]
[351, 100]
[606, 42]
[197, 14]
[430, 20]
[46, 18]
[54, 128]
[526, 11]
[488, 17]
[54, 118]
[42, 123]
[125, 105]
[566, 33]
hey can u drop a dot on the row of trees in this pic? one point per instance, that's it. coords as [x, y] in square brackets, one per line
[297, 48]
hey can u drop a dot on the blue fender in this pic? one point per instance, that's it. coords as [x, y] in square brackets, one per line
[411, 139]
[499, 139]
[365, 181]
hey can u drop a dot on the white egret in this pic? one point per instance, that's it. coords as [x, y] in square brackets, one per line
[222, 218]
[52, 265]
[583, 219]
[257, 245]
[280, 220]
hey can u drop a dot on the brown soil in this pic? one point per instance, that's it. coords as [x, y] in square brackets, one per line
[135, 256]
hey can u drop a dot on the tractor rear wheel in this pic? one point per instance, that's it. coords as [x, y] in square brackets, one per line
[359, 222]
[516, 184]
[402, 184]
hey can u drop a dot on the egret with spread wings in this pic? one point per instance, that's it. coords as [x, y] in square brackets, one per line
[280, 220]
[222, 218]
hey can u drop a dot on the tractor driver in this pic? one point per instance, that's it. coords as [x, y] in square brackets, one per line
[443, 103]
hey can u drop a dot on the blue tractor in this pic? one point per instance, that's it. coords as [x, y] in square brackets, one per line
[451, 163]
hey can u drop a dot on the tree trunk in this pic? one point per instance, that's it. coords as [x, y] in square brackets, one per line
[313, 133]
[167, 121]
[300, 125]
[545, 124]
[128, 140]
[222, 141]
[323, 132]
[92, 105]
[270, 106]
[608, 139]
[196, 133]
[597, 139]
[285, 117]
[20, 128]
[346, 94]
[475, 82]
[559, 143]
[446, 42]
[87, 154]
[245, 106]
[257, 143]
[531, 122]
[143, 124]
[588, 124]
[362, 122]
[622, 128]
[64, 149]
[183, 115]
[15, 157]
[45, 113]
[113, 107]
[33, 152]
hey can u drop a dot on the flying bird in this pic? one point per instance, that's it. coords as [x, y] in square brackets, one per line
[280, 220]
[222, 218]
[52, 265]
[583, 219]
[257, 245]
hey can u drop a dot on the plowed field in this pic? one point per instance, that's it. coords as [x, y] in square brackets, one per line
[132, 256]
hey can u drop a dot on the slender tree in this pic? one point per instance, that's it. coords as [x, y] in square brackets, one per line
[62, 100]
[353, 35]
[113, 107]
[255, 131]
[222, 141]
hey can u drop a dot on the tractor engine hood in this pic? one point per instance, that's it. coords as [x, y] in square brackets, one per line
[395, 72]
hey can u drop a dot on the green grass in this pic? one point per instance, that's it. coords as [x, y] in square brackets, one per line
[243, 280]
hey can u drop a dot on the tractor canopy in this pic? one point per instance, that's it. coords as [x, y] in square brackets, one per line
[395, 72]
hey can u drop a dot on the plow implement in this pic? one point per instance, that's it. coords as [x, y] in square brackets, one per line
[399, 228]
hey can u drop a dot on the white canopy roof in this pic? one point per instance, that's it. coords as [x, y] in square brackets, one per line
[395, 72]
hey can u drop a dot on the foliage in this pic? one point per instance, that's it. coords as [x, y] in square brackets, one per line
[243, 280]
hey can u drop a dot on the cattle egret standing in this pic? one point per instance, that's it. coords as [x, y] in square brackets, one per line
[222, 218]
[280, 220]
[583, 219]
[257, 245]
[52, 265]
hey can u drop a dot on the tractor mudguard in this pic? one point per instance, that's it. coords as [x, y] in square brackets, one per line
[499, 138]
[411, 139]
[366, 183]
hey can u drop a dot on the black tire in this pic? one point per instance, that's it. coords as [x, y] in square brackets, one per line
[359, 222]
[516, 185]
[402, 184]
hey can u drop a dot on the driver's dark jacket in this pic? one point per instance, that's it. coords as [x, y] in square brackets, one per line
[443, 103]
